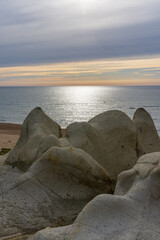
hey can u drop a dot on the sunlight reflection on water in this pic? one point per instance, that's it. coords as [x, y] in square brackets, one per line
[69, 104]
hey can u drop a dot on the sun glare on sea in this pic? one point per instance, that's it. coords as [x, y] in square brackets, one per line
[83, 91]
[80, 96]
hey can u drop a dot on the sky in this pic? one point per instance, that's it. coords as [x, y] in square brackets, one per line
[79, 42]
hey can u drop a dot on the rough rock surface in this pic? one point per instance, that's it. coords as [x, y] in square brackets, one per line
[131, 214]
[36, 127]
[51, 193]
[147, 136]
[48, 179]
[3, 159]
[110, 138]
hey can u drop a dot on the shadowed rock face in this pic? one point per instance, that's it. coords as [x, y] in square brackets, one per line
[110, 138]
[51, 193]
[36, 127]
[147, 136]
[131, 214]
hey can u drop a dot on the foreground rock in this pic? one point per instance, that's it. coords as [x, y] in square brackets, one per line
[36, 128]
[147, 136]
[131, 214]
[51, 193]
[110, 138]
[47, 179]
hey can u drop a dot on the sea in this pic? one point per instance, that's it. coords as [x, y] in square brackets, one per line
[67, 104]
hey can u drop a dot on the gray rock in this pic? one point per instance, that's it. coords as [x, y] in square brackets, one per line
[131, 214]
[110, 138]
[147, 136]
[3, 159]
[36, 127]
[51, 193]
[49, 141]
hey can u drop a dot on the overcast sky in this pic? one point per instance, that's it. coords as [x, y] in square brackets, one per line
[38, 31]
[79, 42]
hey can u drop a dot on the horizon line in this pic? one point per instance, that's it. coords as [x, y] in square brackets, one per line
[98, 85]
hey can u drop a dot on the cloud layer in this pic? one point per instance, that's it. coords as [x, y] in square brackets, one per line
[34, 32]
[101, 72]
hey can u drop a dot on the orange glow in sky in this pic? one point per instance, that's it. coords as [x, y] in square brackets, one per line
[144, 71]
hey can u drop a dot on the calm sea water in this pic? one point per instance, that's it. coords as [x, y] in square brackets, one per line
[68, 104]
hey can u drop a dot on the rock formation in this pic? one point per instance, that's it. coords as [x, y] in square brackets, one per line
[110, 138]
[51, 193]
[147, 136]
[36, 128]
[131, 213]
[47, 180]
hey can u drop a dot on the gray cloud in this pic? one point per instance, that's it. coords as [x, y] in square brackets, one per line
[68, 30]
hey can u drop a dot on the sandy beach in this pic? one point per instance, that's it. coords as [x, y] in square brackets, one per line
[9, 134]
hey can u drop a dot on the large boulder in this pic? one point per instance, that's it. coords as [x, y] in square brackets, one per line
[51, 193]
[131, 214]
[110, 138]
[147, 136]
[32, 141]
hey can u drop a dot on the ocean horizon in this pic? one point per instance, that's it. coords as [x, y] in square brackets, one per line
[67, 104]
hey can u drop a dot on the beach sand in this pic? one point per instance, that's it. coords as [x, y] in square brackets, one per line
[9, 134]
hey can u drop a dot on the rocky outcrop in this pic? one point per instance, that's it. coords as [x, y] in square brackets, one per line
[47, 179]
[36, 128]
[147, 136]
[132, 213]
[110, 138]
[51, 193]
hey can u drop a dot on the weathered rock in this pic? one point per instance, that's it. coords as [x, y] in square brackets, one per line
[36, 127]
[3, 159]
[110, 138]
[49, 141]
[131, 214]
[64, 142]
[51, 193]
[147, 136]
